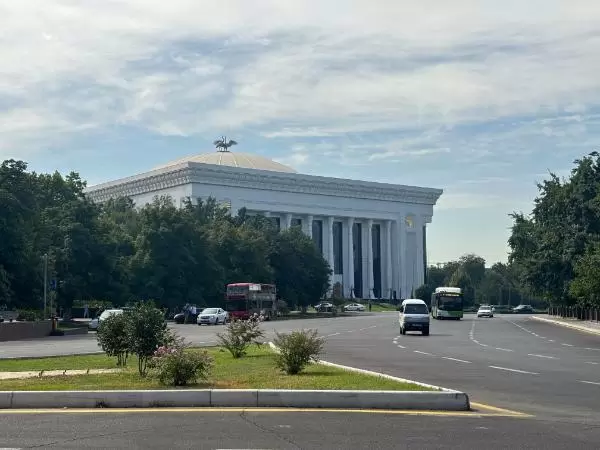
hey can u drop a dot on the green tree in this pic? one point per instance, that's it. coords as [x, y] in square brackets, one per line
[301, 272]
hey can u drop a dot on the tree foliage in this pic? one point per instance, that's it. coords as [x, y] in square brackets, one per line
[556, 246]
[124, 254]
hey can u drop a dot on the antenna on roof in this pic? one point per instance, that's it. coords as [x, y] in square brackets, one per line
[223, 144]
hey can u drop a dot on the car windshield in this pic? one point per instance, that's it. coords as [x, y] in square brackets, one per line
[484, 308]
[210, 311]
[450, 303]
[415, 309]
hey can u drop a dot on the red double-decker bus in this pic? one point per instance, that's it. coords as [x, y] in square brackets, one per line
[244, 299]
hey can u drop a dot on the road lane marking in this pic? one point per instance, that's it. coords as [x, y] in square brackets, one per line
[333, 334]
[593, 349]
[480, 412]
[504, 349]
[567, 345]
[423, 353]
[541, 356]
[550, 340]
[514, 370]
[456, 359]
[401, 346]
[590, 382]
[591, 362]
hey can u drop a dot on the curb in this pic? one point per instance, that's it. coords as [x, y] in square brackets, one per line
[246, 398]
[568, 325]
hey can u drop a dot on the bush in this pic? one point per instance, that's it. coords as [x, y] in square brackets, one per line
[297, 349]
[112, 337]
[146, 330]
[176, 365]
[240, 334]
[29, 315]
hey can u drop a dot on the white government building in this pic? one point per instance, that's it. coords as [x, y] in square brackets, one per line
[372, 234]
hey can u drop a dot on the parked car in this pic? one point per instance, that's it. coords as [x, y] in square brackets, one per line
[324, 307]
[354, 307]
[485, 311]
[522, 309]
[213, 316]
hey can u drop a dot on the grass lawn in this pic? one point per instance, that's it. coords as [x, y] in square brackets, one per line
[255, 371]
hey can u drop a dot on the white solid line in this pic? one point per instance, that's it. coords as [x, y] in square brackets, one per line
[456, 359]
[401, 346]
[567, 345]
[423, 353]
[542, 356]
[504, 349]
[514, 370]
[591, 362]
[589, 382]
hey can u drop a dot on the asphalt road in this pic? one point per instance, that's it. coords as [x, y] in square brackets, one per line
[513, 362]
[163, 429]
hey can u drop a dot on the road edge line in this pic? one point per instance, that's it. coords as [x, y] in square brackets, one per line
[566, 325]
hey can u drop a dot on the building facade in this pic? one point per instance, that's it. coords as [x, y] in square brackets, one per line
[372, 234]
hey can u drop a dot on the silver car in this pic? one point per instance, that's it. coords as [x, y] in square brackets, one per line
[213, 316]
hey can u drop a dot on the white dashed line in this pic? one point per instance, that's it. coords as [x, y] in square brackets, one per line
[483, 345]
[567, 345]
[456, 359]
[332, 334]
[514, 370]
[590, 382]
[541, 356]
[550, 340]
[591, 362]
[423, 353]
[504, 349]
[593, 349]
[401, 346]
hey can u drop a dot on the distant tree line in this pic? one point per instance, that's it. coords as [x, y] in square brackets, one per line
[496, 285]
[117, 253]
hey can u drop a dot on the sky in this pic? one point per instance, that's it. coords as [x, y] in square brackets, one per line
[480, 98]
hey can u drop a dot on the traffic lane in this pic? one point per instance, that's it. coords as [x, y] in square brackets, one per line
[50, 346]
[480, 373]
[566, 337]
[285, 430]
[207, 334]
[196, 335]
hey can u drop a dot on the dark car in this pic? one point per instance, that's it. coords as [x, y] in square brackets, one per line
[180, 317]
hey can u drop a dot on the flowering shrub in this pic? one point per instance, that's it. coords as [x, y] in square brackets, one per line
[240, 334]
[297, 349]
[177, 365]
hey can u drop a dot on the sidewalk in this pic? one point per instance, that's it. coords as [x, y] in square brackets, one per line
[575, 324]
[53, 373]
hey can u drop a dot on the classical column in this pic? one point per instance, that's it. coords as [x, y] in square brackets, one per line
[287, 222]
[420, 274]
[396, 250]
[350, 256]
[369, 281]
[389, 279]
[308, 223]
[330, 254]
[402, 292]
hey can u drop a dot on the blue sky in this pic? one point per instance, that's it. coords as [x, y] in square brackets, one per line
[480, 98]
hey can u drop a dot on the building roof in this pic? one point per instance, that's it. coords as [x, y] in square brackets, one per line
[231, 159]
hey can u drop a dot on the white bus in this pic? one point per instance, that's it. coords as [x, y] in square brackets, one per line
[447, 303]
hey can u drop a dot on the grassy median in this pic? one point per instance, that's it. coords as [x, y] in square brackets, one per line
[254, 371]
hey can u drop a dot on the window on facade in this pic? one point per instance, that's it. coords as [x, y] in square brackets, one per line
[296, 223]
[409, 221]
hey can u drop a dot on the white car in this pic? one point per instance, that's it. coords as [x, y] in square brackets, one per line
[212, 316]
[354, 307]
[485, 311]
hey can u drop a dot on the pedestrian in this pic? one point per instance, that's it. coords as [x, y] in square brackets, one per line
[86, 311]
